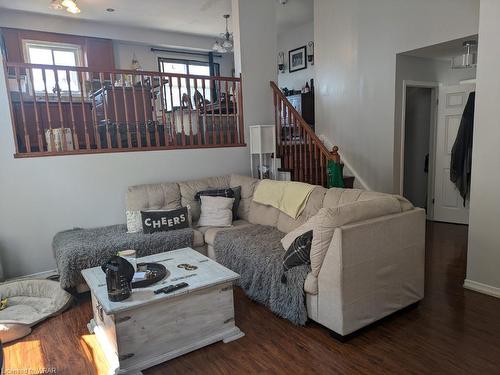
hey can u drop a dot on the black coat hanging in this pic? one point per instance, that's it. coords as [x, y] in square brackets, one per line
[461, 153]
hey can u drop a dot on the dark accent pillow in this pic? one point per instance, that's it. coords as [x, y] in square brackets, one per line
[298, 253]
[162, 221]
[234, 192]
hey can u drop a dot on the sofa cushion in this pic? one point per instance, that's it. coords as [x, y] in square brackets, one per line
[297, 254]
[219, 182]
[336, 196]
[224, 192]
[248, 185]
[314, 204]
[164, 196]
[311, 284]
[188, 190]
[263, 215]
[328, 219]
[210, 232]
[216, 211]
[198, 239]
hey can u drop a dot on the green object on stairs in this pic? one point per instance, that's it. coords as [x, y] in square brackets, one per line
[335, 174]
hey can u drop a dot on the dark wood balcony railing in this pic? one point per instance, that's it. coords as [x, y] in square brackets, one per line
[60, 110]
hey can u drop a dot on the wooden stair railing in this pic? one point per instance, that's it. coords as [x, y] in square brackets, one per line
[302, 153]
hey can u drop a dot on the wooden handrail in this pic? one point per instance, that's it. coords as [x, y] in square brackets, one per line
[117, 71]
[63, 110]
[301, 151]
[304, 125]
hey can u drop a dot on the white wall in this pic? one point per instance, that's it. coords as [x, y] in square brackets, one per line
[124, 52]
[483, 255]
[256, 42]
[41, 196]
[356, 46]
[412, 68]
[290, 39]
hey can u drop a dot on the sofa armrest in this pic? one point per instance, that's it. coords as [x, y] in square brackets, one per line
[372, 269]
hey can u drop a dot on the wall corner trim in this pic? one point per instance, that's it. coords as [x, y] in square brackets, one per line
[482, 288]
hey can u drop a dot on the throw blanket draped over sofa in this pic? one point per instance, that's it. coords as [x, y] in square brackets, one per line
[256, 253]
[288, 197]
[78, 249]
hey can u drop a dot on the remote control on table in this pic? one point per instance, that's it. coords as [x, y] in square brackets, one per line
[171, 288]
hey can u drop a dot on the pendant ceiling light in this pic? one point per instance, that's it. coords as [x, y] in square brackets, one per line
[468, 59]
[225, 42]
[69, 5]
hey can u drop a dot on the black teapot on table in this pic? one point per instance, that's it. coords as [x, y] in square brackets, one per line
[119, 274]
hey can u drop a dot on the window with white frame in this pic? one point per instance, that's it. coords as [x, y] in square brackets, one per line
[53, 54]
[178, 66]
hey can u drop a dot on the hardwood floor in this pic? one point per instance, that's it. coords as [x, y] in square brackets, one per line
[452, 331]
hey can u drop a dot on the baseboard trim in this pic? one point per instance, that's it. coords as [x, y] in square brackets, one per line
[38, 275]
[482, 288]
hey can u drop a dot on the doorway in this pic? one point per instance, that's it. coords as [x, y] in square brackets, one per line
[418, 135]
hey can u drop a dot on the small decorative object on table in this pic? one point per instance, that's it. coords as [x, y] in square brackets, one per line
[187, 266]
[119, 274]
[129, 256]
[148, 274]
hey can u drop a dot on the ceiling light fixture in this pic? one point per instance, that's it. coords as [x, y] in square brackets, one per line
[56, 5]
[69, 5]
[468, 59]
[225, 42]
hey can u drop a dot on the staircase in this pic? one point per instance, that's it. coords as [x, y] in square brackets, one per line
[302, 153]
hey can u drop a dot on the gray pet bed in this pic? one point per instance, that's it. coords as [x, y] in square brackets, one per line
[29, 302]
[78, 249]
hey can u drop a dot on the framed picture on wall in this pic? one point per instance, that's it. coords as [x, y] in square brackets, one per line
[297, 59]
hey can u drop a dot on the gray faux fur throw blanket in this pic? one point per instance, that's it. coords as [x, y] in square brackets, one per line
[256, 254]
[78, 249]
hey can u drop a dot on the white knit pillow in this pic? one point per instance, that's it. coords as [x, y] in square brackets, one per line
[216, 211]
[134, 224]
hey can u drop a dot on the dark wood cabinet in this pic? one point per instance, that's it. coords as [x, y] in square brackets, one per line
[304, 104]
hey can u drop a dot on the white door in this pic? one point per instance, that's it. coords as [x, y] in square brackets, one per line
[448, 204]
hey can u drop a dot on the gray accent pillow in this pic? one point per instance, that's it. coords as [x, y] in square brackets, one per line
[298, 253]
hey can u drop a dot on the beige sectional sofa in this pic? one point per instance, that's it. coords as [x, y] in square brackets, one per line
[373, 267]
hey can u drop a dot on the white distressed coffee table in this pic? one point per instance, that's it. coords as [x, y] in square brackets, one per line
[147, 329]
